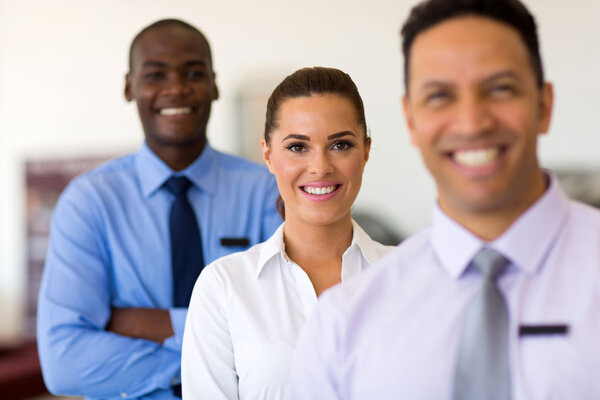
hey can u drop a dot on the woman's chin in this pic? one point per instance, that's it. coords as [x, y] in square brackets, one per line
[322, 218]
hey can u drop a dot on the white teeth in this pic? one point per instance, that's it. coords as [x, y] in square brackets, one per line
[175, 111]
[319, 190]
[477, 158]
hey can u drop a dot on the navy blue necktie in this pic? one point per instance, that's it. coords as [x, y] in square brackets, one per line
[186, 246]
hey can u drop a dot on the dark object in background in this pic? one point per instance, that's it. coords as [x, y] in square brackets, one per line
[379, 230]
[581, 184]
[20, 372]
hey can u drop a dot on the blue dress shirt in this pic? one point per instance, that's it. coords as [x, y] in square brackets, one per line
[109, 247]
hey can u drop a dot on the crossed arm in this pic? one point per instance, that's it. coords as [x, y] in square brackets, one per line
[141, 323]
[86, 347]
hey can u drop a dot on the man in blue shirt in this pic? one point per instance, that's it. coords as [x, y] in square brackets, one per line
[107, 327]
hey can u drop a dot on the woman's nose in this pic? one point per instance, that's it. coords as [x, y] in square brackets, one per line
[321, 164]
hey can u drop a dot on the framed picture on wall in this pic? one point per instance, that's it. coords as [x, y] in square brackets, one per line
[44, 182]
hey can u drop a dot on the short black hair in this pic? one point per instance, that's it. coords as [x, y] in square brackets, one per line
[168, 23]
[511, 12]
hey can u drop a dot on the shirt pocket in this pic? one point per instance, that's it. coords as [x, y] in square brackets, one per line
[559, 365]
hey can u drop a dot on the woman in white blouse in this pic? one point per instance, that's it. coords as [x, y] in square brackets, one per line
[248, 308]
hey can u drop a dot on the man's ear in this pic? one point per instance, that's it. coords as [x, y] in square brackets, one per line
[409, 119]
[215, 87]
[128, 95]
[266, 152]
[546, 105]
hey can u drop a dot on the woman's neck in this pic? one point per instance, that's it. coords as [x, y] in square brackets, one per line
[318, 249]
[306, 241]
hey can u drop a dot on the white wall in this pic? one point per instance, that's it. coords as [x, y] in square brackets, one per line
[62, 64]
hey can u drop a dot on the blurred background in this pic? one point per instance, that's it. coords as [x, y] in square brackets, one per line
[62, 110]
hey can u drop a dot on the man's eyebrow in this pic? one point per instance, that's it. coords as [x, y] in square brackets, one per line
[151, 64]
[162, 64]
[296, 136]
[434, 83]
[341, 134]
[500, 75]
[193, 63]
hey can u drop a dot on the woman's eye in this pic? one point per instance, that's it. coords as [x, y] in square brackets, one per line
[342, 145]
[296, 148]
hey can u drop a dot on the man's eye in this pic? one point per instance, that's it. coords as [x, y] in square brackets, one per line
[195, 74]
[437, 98]
[296, 148]
[154, 75]
[502, 90]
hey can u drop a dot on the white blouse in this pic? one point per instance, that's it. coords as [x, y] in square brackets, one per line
[245, 315]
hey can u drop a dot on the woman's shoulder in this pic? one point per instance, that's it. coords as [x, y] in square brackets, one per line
[383, 249]
[241, 262]
[370, 247]
[244, 264]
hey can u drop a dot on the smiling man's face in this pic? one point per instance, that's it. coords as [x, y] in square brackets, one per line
[172, 81]
[475, 111]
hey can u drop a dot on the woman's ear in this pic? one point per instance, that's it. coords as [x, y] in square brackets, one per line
[266, 152]
[367, 148]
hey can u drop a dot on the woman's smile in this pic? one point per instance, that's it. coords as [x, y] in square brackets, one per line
[317, 153]
[321, 191]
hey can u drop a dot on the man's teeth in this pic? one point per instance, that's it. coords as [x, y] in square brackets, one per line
[175, 111]
[477, 158]
[319, 190]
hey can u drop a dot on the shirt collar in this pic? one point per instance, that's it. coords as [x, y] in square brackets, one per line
[361, 242]
[361, 246]
[525, 243]
[153, 172]
[270, 248]
[528, 240]
[453, 244]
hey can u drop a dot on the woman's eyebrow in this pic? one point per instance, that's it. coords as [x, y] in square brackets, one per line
[296, 136]
[340, 134]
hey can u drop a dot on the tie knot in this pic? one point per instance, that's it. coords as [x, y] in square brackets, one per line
[490, 263]
[178, 185]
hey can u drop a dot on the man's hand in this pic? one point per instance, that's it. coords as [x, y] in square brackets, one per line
[142, 323]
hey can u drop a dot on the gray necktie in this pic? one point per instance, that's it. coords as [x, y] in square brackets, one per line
[482, 370]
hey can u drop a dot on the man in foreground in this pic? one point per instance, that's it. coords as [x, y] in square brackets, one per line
[129, 239]
[500, 298]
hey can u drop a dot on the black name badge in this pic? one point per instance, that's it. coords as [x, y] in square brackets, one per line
[235, 242]
[540, 330]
